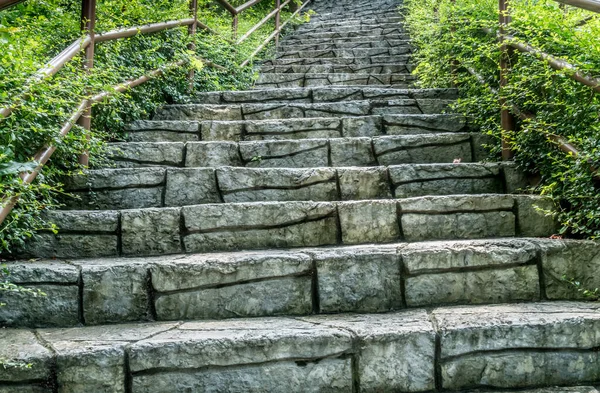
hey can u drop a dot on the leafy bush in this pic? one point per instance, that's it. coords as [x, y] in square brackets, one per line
[33, 32]
[443, 31]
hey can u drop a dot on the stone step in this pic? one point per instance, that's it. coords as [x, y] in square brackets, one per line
[302, 110]
[264, 225]
[322, 94]
[339, 69]
[351, 35]
[455, 348]
[398, 53]
[357, 21]
[305, 153]
[387, 43]
[354, 12]
[137, 188]
[382, 28]
[302, 40]
[284, 129]
[402, 59]
[288, 80]
[368, 278]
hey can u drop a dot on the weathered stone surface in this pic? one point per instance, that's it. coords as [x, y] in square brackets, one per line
[22, 347]
[369, 222]
[293, 129]
[84, 221]
[516, 181]
[277, 184]
[422, 124]
[445, 179]
[396, 350]
[364, 126]
[199, 112]
[134, 154]
[364, 183]
[150, 231]
[352, 152]
[251, 225]
[326, 375]
[222, 130]
[277, 296]
[238, 342]
[191, 186]
[541, 344]
[422, 149]
[114, 291]
[162, 131]
[419, 227]
[35, 388]
[307, 153]
[534, 216]
[128, 198]
[212, 154]
[456, 203]
[59, 306]
[358, 280]
[564, 260]
[116, 178]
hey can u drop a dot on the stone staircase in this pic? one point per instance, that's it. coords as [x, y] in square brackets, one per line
[332, 230]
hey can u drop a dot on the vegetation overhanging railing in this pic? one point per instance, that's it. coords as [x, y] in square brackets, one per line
[87, 42]
[508, 44]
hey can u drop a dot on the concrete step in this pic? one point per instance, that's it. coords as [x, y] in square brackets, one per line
[339, 69]
[351, 35]
[375, 53]
[284, 129]
[368, 278]
[305, 153]
[288, 80]
[322, 94]
[265, 225]
[357, 21]
[302, 40]
[381, 28]
[302, 110]
[456, 348]
[401, 59]
[387, 43]
[137, 188]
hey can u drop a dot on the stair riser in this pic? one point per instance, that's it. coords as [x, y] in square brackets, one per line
[357, 279]
[157, 187]
[361, 61]
[348, 45]
[397, 81]
[333, 69]
[397, 53]
[231, 227]
[272, 111]
[302, 40]
[319, 22]
[308, 153]
[383, 29]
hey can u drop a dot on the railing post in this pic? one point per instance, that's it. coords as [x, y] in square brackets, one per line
[88, 23]
[192, 32]
[277, 21]
[234, 26]
[507, 119]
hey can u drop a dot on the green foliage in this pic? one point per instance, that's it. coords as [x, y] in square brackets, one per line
[33, 32]
[443, 31]
[591, 294]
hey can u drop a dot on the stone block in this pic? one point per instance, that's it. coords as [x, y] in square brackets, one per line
[396, 351]
[568, 260]
[191, 186]
[534, 216]
[515, 179]
[250, 225]
[422, 149]
[222, 130]
[130, 198]
[114, 291]
[134, 154]
[21, 347]
[352, 152]
[67, 245]
[199, 112]
[369, 222]
[212, 154]
[277, 184]
[361, 279]
[162, 131]
[422, 124]
[457, 203]
[150, 231]
[293, 129]
[518, 346]
[307, 153]
[364, 183]
[365, 126]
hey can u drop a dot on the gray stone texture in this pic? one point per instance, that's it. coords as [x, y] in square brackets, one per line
[246, 225]
[150, 231]
[212, 154]
[191, 186]
[535, 217]
[358, 280]
[422, 149]
[364, 183]
[369, 222]
[352, 152]
[307, 153]
[162, 131]
[135, 154]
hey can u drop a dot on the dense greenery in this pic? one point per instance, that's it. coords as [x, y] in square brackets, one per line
[443, 31]
[35, 31]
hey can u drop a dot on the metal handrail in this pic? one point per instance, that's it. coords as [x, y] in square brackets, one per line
[87, 42]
